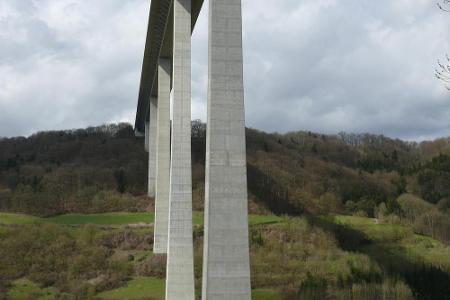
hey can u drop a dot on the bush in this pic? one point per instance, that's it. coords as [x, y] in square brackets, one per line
[434, 224]
[82, 290]
[154, 266]
[426, 218]
[53, 255]
[5, 199]
[444, 205]
[313, 288]
[117, 274]
[329, 203]
[110, 201]
[413, 207]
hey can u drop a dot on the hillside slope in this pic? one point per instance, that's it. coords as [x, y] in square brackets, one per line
[108, 256]
[359, 216]
[81, 170]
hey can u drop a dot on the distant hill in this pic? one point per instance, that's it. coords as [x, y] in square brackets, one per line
[299, 172]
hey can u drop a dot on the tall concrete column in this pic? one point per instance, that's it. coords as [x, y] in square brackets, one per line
[226, 263]
[147, 133]
[180, 262]
[152, 147]
[162, 159]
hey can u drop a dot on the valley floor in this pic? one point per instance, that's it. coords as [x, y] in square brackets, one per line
[329, 257]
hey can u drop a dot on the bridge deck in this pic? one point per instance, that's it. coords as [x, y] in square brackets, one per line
[158, 44]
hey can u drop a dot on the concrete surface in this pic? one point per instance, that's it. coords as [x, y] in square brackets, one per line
[226, 264]
[180, 260]
[152, 147]
[162, 159]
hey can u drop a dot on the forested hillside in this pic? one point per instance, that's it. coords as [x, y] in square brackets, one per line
[80, 170]
[360, 216]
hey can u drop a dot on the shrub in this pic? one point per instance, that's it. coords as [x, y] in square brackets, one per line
[329, 203]
[53, 255]
[444, 205]
[434, 224]
[152, 266]
[413, 207]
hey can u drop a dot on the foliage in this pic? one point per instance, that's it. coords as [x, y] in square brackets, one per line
[434, 179]
[51, 255]
[100, 169]
[55, 172]
[332, 257]
[424, 217]
[26, 289]
[98, 176]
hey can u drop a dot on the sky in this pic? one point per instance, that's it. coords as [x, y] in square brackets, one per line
[315, 65]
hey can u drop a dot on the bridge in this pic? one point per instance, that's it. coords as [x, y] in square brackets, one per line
[165, 84]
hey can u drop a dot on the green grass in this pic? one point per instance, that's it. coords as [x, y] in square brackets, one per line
[139, 288]
[424, 248]
[197, 218]
[103, 219]
[17, 219]
[141, 255]
[24, 289]
[398, 239]
[373, 230]
[143, 287]
[115, 219]
[260, 220]
[265, 294]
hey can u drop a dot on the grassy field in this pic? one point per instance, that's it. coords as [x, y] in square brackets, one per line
[23, 289]
[139, 288]
[401, 240]
[307, 249]
[144, 287]
[265, 294]
[423, 248]
[372, 229]
[261, 220]
[114, 219]
[17, 219]
[103, 219]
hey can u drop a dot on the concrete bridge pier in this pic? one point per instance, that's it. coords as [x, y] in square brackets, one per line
[162, 159]
[152, 132]
[226, 263]
[180, 258]
[165, 78]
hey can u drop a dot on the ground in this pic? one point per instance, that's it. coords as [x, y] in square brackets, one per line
[311, 251]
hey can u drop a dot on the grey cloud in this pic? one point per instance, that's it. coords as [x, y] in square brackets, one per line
[353, 65]
[320, 65]
[75, 64]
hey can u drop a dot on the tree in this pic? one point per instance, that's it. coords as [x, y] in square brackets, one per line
[119, 175]
[444, 5]
[443, 70]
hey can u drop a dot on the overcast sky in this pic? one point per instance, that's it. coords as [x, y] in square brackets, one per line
[319, 65]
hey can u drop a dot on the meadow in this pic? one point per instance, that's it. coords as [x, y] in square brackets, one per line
[113, 219]
[101, 256]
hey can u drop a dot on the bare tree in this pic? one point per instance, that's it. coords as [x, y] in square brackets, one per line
[442, 72]
[444, 5]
